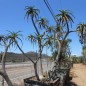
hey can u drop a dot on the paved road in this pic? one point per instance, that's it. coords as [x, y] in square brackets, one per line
[19, 71]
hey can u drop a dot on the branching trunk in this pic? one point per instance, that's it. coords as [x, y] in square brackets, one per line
[40, 50]
[34, 63]
[4, 74]
[61, 45]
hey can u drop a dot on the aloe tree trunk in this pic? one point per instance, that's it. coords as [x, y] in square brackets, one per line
[3, 64]
[47, 60]
[60, 45]
[35, 69]
[40, 63]
[59, 49]
[39, 50]
[3, 68]
[40, 59]
[34, 25]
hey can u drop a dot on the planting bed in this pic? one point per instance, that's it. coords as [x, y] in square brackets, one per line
[57, 77]
[33, 82]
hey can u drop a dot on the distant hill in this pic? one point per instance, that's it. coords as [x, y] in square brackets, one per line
[13, 57]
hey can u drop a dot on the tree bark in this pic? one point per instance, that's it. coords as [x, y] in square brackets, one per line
[40, 59]
[3, 64]
[59, 49]
[35, 69]
[3, 68]
[40, 50]
[5, 76]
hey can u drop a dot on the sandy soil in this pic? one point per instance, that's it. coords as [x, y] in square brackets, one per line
[78, 72]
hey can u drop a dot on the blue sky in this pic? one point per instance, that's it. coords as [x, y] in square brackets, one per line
[12, 18]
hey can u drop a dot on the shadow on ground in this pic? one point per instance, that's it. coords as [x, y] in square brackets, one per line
[71, 84]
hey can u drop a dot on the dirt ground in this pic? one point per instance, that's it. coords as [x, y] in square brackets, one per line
[78, 72]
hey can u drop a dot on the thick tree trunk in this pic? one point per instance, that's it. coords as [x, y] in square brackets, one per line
[40, 65]
[40, 61]
[47, 60]
[59, 51]
[39, 51]
[35, 69]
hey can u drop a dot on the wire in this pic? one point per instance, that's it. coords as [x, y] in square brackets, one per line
[50, 9]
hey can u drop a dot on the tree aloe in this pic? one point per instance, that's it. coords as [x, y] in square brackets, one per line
[64, 19]
[33, 14]
[4, 41]
[15, 37]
